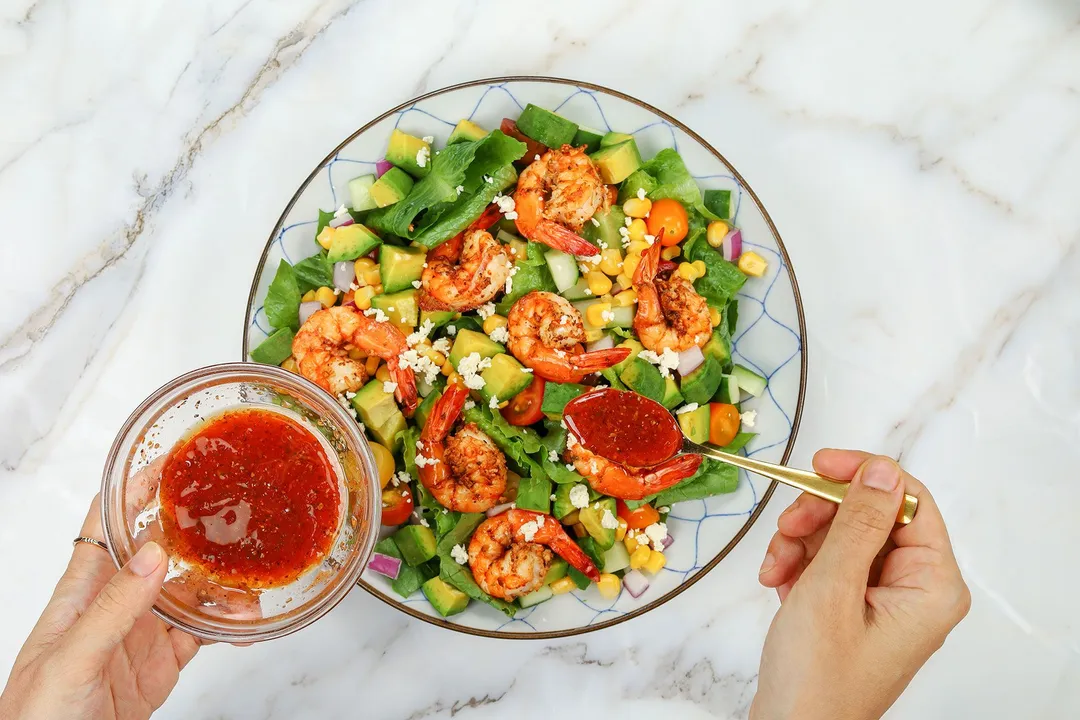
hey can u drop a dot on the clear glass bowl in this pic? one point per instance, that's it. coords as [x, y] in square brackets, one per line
[189, 600]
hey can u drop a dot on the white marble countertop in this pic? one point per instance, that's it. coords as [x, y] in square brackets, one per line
[921, 161]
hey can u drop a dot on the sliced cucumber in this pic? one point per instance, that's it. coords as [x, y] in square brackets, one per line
[729, 391]
[538, 596]
[580, 291]
[624, 316]
[360, 193]
[564, 269]
[749, 381]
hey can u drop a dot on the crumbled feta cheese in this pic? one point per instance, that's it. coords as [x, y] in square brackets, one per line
[336, 292]
[506, 206]
[594, 468]
[451, 330]
[416, 284]
[588, 291]
[422, 156]
[413, 360]
[459, 189]
[608, 316]
[569, 467]
[528, 530]
[510, 278]
[349, 395]
[553, 456]
[666, 361]
[689, 407]
[500, 334]
[603, 245]
[470, 368]
[353, 286]
[488, 179]
[389, 386]
[421, 333]
[493, 403]
[641, 193]
[378, 314]
[656, 533]
[536, 156]
[341, 211]
[571, 439]
[469, 405]
[749, 418]
[486, 310]
[608, 521]
[424, 522]
[428, 139]
[650, 239]
[663, 510]
[595, 222]
[552, 498]
[419, 444]
[422, 461]
[460, 554]
[628, 221]
[390, 308]
[526, 370]
[579, 496]
[401, 477]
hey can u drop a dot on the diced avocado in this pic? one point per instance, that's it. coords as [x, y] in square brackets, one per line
[592, 517]
[614, 138]
[416, 543]
[556, 395]
[719, 203]
[399, 266]
[423, 410]
[444, 597]
[360, 193]
[392, 187]
[672, 397]
[546, 127]
[562, 505]
[749, 381]
[437, 318]
[504, 379]
[557, 571]
[729, 391]
[400, 307]
[467, 342]
[635, 348]
[616, 558]
[380, 414]
[718, 347]
[465, 131]
[700, 385]
[608, 229]
[617, 162]
[537, 596]
[275, 349]
[590, 139]
[351, 242]
[407, 151]
[638, 180]
[695, 423]
[644, 379]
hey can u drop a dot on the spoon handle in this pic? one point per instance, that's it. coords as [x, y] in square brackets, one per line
[804, 480]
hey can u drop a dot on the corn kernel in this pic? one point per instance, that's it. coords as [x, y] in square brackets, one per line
[699, 266]
[377, 289]
[325, 296]
[436, 358]
[620, 532]
[362, 297]
[423, 346]
[357, 354]
[594, 314]
[562, 586]
[611, 261]
[716, 233]
[655, 563]
[447, 368]
[384, 462]
[670, 253]
[571, 519]
[593, 334]
[309, 296]
[687, 271]
[637, 247]
[631, 543]
[454, 379]
[639, 557]
[625, 282]
[580, 531]
[289, 364]
[383, 373]
[599, 283]
[714, 316]
[493, 322]
[361, 266]
[630, 265]
[609, 586]
[752, 264]
[588, 263]
[637, 207]
[326, 237]
[372, 277]
[626, 298]
[372, 364]
[637, 230]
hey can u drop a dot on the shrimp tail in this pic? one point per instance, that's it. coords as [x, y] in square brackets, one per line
[572, 553]
[556, 236]
[600, 359]
[445, 413]
[489, 217]
[405, 393]
[650, 263]
[670, 472]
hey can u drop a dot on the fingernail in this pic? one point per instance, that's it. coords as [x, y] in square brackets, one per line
[146, 561]
[881, 474]
[767, 564]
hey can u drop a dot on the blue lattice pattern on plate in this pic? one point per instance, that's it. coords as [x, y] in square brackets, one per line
[767, 338]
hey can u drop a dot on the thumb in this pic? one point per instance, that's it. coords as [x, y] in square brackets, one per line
[863, 522]
[123, 600]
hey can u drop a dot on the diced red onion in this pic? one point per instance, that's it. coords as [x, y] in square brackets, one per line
[307, 309]
[732, 245]
[604, 343]
[341, 221]
[499, 509]
[635, 583]
[344, 274]
[689, 360]
[385, 565]
[668, 539]
[381, 167]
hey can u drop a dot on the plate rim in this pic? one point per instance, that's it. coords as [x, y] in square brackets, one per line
[796, 418]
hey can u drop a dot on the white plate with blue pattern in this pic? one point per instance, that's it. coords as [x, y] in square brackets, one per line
[770, 337]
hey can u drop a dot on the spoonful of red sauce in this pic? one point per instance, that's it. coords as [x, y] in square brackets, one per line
[624, 426]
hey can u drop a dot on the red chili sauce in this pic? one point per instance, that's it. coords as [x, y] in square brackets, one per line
[623, 426]
[250, 498]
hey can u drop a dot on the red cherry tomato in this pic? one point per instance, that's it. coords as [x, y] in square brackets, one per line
[524, 408]
[638, 519]
[669, 216]
[397, 504]
[723, 423]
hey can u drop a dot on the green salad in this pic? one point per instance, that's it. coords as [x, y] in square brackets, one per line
[465, 295]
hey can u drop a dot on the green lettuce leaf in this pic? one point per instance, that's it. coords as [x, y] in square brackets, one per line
[454, 218]
[532, 274]
[534, 493]
[494, 152]
[518, 443]
[722, 279]
[460, 576]
[314, 272]
[555, 441]
[282, 303]
[739, 442]
[712, 478]
[673, 180]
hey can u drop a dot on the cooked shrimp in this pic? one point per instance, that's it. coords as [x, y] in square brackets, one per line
[321, 348]
[626, 483]
[464, 273]
[508, 557]
[546, 333]
[465, 471]
[670, 313]
[556, 195]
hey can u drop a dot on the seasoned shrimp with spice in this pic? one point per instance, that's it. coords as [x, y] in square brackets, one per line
[627, 483]
[556, 195]
[465, 471]
[510, 554]
[467, 270]
[321, 349]
[546, 334]
[670, 313]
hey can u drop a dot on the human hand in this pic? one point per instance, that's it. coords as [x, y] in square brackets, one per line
[97, 651]
[864, 604]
